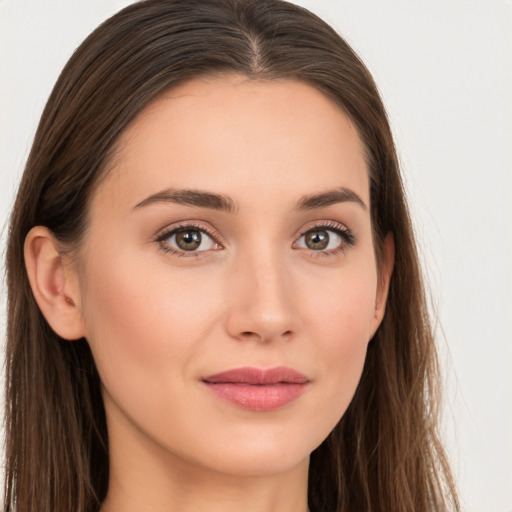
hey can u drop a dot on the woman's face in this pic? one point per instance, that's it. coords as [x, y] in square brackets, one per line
[232, 235]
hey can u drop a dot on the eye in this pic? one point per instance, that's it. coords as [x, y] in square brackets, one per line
[187, 239]
[328, 239]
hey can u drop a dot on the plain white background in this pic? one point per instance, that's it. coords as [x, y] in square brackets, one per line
[444, 68]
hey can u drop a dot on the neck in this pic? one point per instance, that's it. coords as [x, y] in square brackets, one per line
[146, 477]
[186, 490]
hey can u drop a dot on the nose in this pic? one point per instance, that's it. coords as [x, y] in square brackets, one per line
[260, 300]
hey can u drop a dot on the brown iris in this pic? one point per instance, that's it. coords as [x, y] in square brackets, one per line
[188, 240]
[317, 240]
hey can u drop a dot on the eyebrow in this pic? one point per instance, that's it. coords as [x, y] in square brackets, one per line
[221, 202]
[330, 197]
[191, 198]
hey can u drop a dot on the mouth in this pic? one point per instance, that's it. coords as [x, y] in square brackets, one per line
[258, 389]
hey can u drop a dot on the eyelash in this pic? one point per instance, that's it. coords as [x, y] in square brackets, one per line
[174, 230]
[340, 230]
[344, 233]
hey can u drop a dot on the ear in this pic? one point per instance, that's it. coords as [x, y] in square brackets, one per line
[384, 277]
[55, 286]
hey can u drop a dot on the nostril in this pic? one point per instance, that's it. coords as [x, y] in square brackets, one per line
[251, 335]
[265, 337]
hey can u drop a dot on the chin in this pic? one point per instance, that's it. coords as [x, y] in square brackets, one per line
[261, 455]
[265, 463]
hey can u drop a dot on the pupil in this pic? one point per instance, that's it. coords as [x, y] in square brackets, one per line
[317, 240]
[188, 240]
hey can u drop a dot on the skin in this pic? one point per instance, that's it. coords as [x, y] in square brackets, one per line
[255, 294]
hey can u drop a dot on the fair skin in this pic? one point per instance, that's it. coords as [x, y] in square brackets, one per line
[270, 279]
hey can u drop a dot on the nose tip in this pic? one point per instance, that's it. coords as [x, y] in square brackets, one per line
[261, 304]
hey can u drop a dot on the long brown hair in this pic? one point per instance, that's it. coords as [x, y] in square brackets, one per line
[385, 454]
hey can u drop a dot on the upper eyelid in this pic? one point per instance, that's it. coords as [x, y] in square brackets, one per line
[324, 224]
[184, 225]
[170, 231]
[338, 227]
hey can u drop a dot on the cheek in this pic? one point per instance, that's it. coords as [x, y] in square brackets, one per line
[142, 324]
[340, 320]
[341, 307]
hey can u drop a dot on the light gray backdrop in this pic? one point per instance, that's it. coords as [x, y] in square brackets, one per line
[444, 68]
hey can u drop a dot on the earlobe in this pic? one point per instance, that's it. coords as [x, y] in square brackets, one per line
[55, 287]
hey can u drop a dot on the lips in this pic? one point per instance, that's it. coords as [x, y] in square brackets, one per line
[258, 389]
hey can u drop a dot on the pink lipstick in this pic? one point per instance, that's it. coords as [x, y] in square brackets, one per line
[258, 389]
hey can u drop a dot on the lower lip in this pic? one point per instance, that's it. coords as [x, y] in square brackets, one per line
[258, 397]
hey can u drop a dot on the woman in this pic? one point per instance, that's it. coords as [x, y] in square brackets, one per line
[214, 295]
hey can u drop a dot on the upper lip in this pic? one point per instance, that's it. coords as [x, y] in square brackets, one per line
[258, 376]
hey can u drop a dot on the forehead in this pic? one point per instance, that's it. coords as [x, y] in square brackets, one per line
[231, 134]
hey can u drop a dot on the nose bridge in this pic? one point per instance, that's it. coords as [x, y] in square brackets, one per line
[261, 304]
